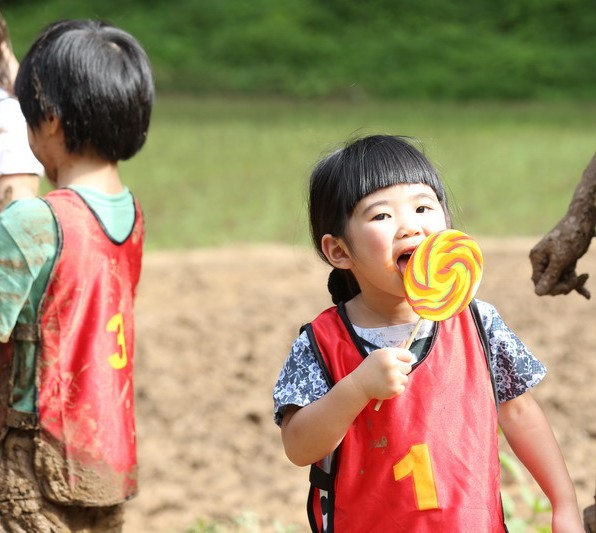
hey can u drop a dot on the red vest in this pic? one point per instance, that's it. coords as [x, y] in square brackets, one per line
[87, 441]
[427, 461]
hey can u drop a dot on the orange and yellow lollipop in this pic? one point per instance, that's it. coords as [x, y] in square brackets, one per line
[442, 277]
[443, 274]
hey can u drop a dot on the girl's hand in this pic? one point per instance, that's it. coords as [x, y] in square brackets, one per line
[384, 373]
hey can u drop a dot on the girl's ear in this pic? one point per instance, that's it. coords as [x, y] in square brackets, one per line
[336, 251]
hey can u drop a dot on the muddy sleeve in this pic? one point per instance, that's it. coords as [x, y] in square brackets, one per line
[27, 248]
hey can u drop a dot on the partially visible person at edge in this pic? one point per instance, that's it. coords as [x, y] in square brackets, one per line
[555, 257]
[427, 461]
[69, 267]
[20, 172]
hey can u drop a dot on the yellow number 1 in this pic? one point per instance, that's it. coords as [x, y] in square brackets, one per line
[118, 360]
[417, 463]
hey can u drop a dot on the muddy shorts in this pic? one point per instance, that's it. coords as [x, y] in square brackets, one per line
[23, 509]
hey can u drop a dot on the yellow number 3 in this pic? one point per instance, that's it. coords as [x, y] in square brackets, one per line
[118, 360]
[417, 463]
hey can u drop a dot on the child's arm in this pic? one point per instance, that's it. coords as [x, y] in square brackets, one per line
[313, 432]
[533, 442]
[16, 187]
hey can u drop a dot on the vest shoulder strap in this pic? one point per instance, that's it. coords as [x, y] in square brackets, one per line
[317, 353]
[485, 345]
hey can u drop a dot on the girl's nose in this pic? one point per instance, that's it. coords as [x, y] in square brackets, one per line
[408, 228]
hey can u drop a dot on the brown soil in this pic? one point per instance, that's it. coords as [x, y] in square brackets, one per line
[214, 327]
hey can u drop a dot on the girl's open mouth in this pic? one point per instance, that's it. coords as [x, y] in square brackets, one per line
[402, 261]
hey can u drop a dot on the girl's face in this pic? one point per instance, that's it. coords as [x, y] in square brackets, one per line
[384, 229]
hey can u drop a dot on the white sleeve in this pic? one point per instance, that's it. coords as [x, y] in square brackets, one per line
[15, 155]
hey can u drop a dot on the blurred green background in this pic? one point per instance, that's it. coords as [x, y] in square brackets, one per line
[502, 96]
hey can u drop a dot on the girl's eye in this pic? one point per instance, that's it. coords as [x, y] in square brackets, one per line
[381, 216]
[422, 209]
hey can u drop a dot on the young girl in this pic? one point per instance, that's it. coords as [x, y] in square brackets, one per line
[19, 170]
[427, 461]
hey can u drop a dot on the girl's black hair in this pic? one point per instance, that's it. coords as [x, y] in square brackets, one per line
[96, 79]
[360, 168]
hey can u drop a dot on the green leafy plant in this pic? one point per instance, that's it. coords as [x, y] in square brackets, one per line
[307, 48]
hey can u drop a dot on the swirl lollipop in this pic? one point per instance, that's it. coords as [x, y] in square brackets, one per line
[442, 277]
[443, 274]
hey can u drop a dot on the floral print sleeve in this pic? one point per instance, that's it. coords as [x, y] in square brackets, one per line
[515, 369]
[301, 380]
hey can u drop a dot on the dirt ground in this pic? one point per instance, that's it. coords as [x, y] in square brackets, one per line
[214, 327]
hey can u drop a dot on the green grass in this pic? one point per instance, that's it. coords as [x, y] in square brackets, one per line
[217, 171]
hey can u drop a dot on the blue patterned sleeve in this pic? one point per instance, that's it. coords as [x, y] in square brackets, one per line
[301, 380]
[515, 369]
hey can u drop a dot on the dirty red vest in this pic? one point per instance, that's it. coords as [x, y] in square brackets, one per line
[427, 461]
[86, 450]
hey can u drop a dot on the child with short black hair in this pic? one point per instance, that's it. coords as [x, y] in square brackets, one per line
[428, 460]
[69, 267]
